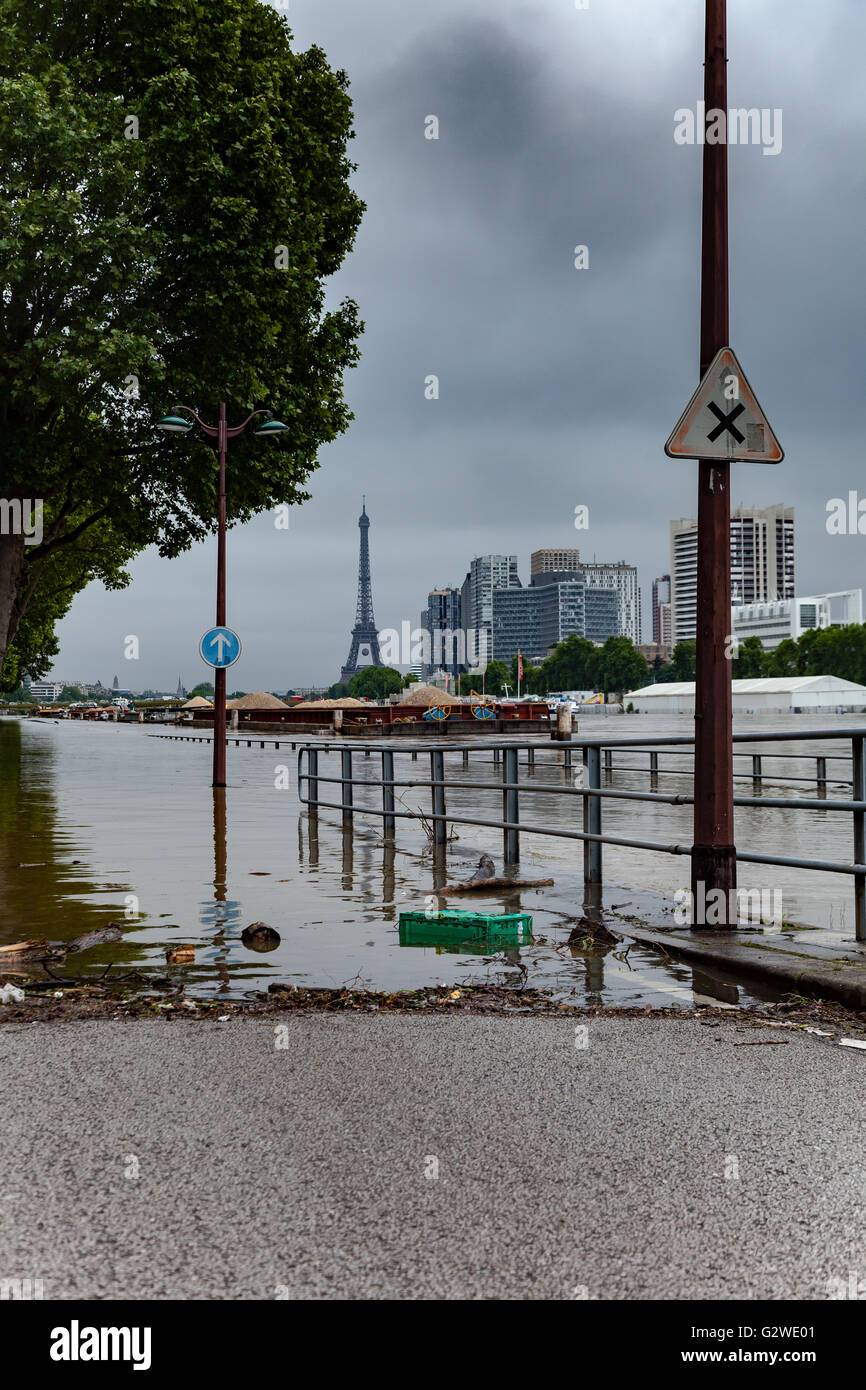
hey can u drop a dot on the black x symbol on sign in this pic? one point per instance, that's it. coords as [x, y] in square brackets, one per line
[727, 422]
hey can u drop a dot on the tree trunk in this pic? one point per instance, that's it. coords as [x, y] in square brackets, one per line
[12, 567]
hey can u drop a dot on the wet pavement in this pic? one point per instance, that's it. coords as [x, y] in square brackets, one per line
[413, 1157]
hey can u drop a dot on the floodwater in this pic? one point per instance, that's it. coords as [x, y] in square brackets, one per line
[109, 822]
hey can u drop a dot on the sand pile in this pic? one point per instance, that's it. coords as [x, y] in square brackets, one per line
[345, 702]
[260, 699]
[428, 695]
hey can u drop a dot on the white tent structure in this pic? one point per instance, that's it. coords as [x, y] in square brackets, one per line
[789, 694]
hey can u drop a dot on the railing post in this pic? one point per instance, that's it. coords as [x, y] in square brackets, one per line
[859, 774]
[530, 757]
[465, 757]
[346, 758]
[757, 765]
[608, 764]
[510, 807]
[821, 771]
[592, 818]
[388, 820]
[313, 780]
[437, 774]
[654, 771]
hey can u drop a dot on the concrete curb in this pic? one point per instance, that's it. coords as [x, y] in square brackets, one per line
[817, 972]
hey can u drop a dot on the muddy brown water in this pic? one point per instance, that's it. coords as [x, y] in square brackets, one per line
[106, 822]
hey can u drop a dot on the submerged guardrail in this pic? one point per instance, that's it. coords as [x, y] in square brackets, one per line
[597, 762]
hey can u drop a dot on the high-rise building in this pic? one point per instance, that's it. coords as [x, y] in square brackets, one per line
[486, 574]
[623, 579]
[543, 561]
[441, 620]
[762, 563]
[661, 595]
[762, 554]
[556, 604]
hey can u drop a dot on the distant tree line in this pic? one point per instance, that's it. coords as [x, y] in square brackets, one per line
[829, 651]
[578, 664]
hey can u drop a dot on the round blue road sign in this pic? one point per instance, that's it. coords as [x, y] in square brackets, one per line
[220, 647]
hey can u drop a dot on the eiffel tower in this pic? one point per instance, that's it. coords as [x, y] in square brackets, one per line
[364, 650]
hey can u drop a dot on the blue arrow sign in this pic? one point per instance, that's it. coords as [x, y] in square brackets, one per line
[220, 647]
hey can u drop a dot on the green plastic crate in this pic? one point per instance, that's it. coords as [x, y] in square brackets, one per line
[479, 929]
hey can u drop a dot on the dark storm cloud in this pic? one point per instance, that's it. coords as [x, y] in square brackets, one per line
[557, 386]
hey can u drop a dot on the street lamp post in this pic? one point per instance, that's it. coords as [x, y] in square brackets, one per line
[222, 432]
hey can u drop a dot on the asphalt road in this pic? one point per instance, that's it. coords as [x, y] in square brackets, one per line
[201, 1161]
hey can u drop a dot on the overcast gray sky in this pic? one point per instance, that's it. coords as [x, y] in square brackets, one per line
[557, 386]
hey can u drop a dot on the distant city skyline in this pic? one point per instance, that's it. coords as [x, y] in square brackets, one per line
[556, 387]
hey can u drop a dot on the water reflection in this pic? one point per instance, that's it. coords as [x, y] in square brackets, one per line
[220, 912]
[140, 815]
[46, 887]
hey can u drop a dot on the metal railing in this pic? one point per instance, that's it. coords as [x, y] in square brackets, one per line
[588, 788]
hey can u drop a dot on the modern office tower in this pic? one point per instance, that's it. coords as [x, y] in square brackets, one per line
[603, 616]
[661, 595]
[543, 561]
[441, 620]
[556, 604]
[762, 563]
[486, 574]
[622, 578]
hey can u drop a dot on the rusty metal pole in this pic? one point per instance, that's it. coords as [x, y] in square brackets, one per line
[219, 684]
[713, 850]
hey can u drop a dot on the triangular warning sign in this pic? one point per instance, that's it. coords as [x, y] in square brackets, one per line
[723, 419]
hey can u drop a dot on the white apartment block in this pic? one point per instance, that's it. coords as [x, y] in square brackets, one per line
[622, 578]
[762, 563]
[783, 619]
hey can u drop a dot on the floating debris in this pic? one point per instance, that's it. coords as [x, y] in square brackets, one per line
[180, 955]
[258, 936]
[485, 878]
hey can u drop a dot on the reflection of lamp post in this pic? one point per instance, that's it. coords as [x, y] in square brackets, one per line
[180, 424]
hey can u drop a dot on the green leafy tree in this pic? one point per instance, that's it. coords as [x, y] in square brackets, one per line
[750, 660]
[619, 666]
[174, 193]
[684, 661]
[570, 666]
[70, 693]
[375, 682]
[20, 696]
[495, 678]
[335, 692]
[411, 679]
[204, 689]
[53, 580]
[783, 660]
